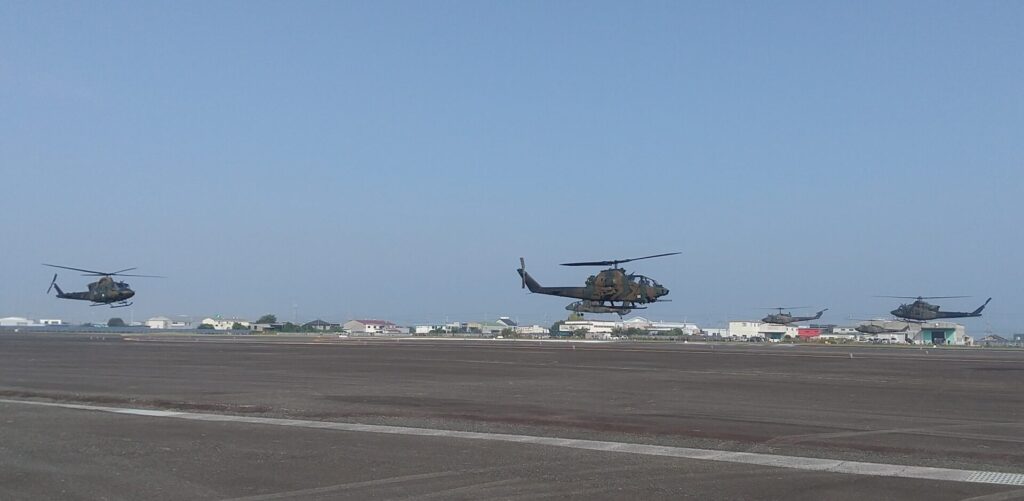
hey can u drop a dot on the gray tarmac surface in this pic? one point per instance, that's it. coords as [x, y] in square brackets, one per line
[945, 408]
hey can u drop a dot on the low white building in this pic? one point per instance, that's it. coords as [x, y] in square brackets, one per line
[16, 322]
[658, 326]
[158, 323]
[746, 329]
[590, 326]
[225, 324]
[838, 335]
[715, 332]
[372, 327]
[533, 330]
[50, 321]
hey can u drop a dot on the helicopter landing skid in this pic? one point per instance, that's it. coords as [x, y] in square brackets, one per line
[122, 304]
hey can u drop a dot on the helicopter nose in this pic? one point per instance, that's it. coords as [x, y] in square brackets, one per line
[128, 293]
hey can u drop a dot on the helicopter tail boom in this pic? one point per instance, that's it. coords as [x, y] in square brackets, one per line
[528, 281]
[531, 284]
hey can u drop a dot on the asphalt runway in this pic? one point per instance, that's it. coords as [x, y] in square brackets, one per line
[177, 417]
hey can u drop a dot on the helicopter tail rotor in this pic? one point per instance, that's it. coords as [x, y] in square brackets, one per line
[522, 271]
[52, 284]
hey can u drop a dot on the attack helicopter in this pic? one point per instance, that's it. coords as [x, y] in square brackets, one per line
[923, 311]
[786, 318]
[105, 291]
[602, 291]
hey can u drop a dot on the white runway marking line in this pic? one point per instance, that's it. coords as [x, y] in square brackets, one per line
[793, 462]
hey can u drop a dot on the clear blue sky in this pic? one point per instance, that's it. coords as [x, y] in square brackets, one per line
[394, 159]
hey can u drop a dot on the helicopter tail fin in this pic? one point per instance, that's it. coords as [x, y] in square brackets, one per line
[528, 281]
[818, 315]
[980, 308]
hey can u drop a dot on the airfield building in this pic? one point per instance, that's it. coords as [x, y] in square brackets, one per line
[745, 329]
[16, 322]
[372, 327]
[158, 323]
[940, 333]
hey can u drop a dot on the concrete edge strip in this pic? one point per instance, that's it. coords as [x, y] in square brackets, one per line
[779, 461]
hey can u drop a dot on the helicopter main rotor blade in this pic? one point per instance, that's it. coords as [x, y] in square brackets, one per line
[100, 273]
[925, 297]
[785, 308]
[94, 273]
[616, 262]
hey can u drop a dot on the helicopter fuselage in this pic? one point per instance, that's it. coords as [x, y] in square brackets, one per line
[609, 285]
[787, 318]
[878, 329]
[922, 311]
[103, 291]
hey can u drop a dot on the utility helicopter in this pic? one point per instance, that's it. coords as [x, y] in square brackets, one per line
[786, 318]
[873, 329]
[105, 291]
[923, 311]
[602, 291]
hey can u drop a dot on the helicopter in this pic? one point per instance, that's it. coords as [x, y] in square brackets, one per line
[786, 318]
[602, 291]
[923, 311]
[105, 291]
[874, 329]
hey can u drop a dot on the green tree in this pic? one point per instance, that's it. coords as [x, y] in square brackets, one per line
[238, 327]
[267, 319]
[554, 331]
[205, 327]
[116, 322]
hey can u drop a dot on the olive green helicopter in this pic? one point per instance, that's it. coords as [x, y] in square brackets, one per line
[786, 318]
[612, 290]
[923, 311]
[105, 291]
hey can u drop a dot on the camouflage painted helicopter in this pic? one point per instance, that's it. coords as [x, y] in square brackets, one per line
[872, 328]
[923, 311]
[786, 318]
[604, 290]
[105, 291]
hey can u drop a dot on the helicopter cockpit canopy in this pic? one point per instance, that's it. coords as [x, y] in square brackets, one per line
[645, 280]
